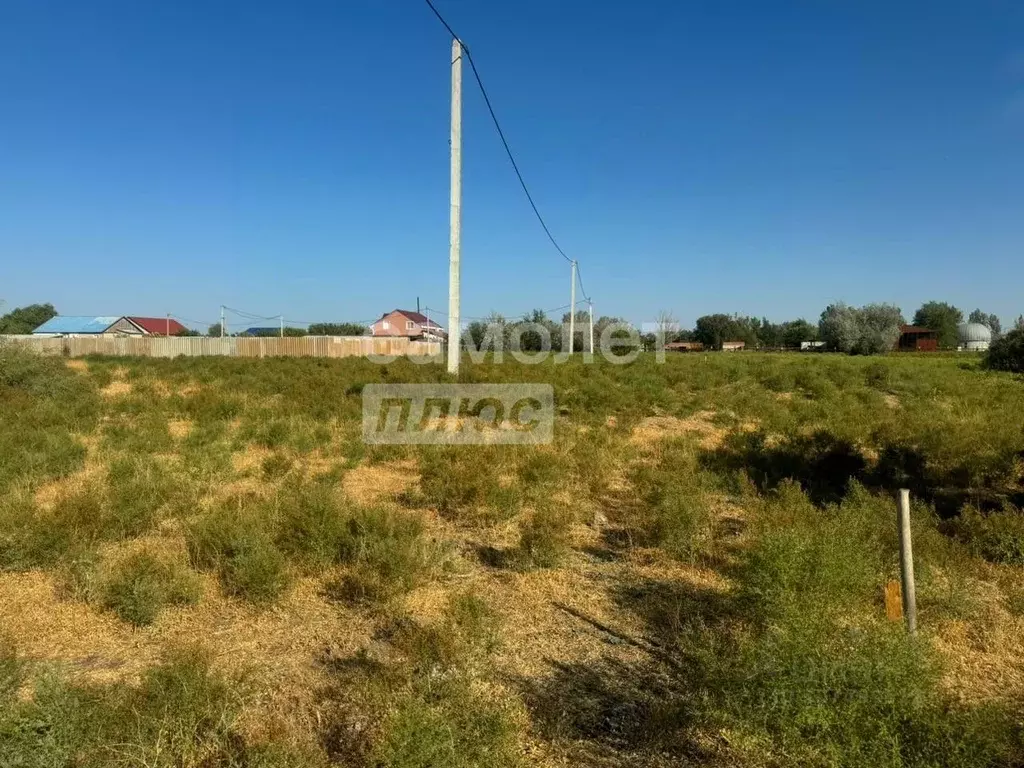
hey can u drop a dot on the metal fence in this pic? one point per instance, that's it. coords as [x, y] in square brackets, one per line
[229, 346]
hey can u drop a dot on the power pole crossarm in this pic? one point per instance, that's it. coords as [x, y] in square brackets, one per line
[455, 221]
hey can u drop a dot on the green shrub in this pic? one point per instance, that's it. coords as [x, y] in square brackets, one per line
[181, 715]
[238, 543]
[878, 376]
[471, 483]
[141, 585]
[996, 536]
[312, 523]
[674, 511]
[1007, 353]
[544, 538]
[390, 554]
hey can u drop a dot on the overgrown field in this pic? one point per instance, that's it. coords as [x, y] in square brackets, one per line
[202, 564]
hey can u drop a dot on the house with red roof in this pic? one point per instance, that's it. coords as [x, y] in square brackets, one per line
[157, 326]
[411, 325]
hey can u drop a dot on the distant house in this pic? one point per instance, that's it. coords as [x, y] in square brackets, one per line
[914, 338]
[88, 325]
[733, 346]
[411, 325]
[158, 326]
[684, 346]
[812, 346]
[108, 325]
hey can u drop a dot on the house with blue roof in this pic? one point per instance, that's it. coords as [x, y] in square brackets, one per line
[88, 325]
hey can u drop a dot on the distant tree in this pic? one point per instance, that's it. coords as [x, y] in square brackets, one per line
[869, 330]
[666, 325]
[992, 321]
[338, 329]
[1007, 353]
[1018, 324]
[294, 332]
[214, 330]
[772, 335]
[189, 332]
[26, 319]
[942, 318]
[795, 332]
[712, 330]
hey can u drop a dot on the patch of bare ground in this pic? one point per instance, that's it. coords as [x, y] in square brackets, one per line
[891, 400]
[372, 483]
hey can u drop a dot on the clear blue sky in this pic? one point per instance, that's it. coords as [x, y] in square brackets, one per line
[737, 156]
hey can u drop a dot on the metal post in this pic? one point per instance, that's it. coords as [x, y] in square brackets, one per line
[590, 305]
[222, 321]
[572, 310]
[455, 220]
[907, 562]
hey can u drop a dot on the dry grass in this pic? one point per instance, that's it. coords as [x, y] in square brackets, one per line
[77, 365]
[372, 483]
[654, 429]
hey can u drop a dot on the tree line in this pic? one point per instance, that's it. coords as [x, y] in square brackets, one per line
[870, 329]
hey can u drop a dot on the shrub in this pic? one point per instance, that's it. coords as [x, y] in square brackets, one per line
[544, 538]
[996, 536]
[470, 483]
[180, 714]
[239, 544]
[140, 586]
[1007, 353]
[389, 551]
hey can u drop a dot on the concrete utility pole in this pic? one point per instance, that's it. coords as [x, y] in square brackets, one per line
[168, 334]
[907, 562]
[572, 309]
[455, 221]
[590, 304]
[222, 321]
[282, 326]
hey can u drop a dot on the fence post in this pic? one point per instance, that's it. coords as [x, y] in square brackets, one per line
[907, 562]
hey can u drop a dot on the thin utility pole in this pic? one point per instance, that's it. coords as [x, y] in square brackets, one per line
[455, 221]
[282, 326]
[168, 334]
[222, 321]
[590, 304]
[572, 309]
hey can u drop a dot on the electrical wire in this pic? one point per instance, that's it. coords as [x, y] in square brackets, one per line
[501, 133]
[579, 278]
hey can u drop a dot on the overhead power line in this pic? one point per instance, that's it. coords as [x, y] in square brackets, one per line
[501, 133]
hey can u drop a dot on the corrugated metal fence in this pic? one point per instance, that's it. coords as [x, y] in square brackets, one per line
[229, 346]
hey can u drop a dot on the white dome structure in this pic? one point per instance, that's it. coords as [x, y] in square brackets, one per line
[974, 337]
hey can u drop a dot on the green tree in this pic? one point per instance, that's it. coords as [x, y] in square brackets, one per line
[712, 330]
[942, 318]
[1018, 324]
[338, 329]
[213, 330]
[189, 332]
[869, 330]
[795, 332]
[991, 321]
[26, 319]
[1007, 353]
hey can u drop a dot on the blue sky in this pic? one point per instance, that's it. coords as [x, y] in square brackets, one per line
[744, 156]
